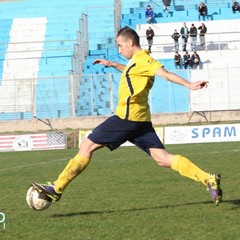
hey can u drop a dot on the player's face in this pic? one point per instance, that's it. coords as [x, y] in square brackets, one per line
[124, 47]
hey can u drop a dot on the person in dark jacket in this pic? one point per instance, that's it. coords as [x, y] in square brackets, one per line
[175, 37]
[202, 11]
[186, 60]
[195, 61]
[203, 31]
[235, 6]
[166, 5]
[178, 60]
[150, 35]
[185, 34]
[193, 36]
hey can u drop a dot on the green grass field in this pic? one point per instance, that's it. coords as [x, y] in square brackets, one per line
[123, 195]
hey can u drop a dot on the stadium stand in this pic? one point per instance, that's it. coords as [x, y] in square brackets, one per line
[31, 53]
[38, 39]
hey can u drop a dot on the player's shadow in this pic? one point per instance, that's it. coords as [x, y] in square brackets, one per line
[235, 202]
[112, 211]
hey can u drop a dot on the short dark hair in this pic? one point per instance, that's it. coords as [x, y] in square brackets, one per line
[129, 33]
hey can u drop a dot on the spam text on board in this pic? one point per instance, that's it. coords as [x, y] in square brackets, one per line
[214, 132]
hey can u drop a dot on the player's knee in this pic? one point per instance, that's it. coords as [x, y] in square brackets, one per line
[85, 146]
[163, 162]
[88, 147]
[162, 157]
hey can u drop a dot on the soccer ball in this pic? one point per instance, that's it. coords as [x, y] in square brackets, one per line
[37, 201]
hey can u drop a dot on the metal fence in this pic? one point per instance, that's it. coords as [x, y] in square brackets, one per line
[48, 98]
[117, 15]
[78, 94]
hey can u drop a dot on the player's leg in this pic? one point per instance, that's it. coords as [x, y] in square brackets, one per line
[148, 141]
[110, 133]
[187, 168]
[180, 164]
[74, 167]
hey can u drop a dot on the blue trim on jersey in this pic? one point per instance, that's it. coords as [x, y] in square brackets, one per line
[130, 88]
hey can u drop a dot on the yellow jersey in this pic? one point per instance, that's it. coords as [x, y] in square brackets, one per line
[136, 81]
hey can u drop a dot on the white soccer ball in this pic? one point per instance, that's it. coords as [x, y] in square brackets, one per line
[37, 201]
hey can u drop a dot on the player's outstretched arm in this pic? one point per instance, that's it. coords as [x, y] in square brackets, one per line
[108, 63]
[172, 77]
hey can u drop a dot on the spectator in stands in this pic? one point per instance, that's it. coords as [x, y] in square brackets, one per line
[175, 37]
[202, 11]
[195, 60]
[166, 5]
[235, 6]
[193, 36]
[185, 34]
[186, 60]
[178, 60]
[150, 35]
[203, 31]
[149, 14]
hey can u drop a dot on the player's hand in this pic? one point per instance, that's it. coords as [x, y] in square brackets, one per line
[198, 85]
[104, 62]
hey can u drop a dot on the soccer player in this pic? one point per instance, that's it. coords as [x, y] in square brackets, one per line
[132, 121]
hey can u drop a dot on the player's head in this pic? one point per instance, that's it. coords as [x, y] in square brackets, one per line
[127, 42]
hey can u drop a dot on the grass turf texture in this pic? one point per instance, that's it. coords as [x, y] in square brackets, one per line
[123, 195]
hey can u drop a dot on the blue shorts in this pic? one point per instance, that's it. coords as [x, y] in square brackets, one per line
[115, 131]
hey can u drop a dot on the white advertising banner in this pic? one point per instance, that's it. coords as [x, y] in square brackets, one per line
[202, 134]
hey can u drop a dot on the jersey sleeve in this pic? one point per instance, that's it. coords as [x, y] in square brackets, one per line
[148, 66]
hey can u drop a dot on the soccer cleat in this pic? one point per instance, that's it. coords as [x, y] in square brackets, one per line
[214, 188]
[48, 190]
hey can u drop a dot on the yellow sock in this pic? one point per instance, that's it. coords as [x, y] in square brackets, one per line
[186, 168]
[74, 167]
